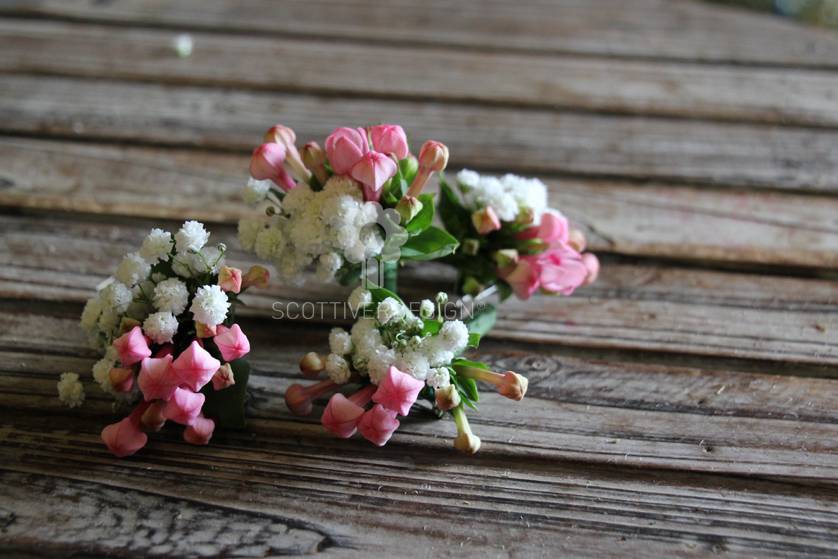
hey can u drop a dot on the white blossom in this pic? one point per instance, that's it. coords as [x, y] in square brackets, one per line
[157, 246]
[426, 308]
[413, 363]
[389, 309]
[359, 298]
[255, 191]
[132, 269]
[70, 390]
[90, 314]
[171, 295]
[454, 335]
[269, 243]
[116, 297]
[192, 236]
[438, 378]
[337, 368]
[340, 342]
[379, 362]
[101, 372]
[327, 266]
[160, 327]
[468, 178]
[248, 230]
[210, 305]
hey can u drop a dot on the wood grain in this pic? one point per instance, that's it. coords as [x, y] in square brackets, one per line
[650, 307]
[656, 220]
[537, 141]
[656, 29]
[770, 95]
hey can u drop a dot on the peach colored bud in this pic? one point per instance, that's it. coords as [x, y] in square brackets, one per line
[314, 158]
[466, 441]
[485, 220]
[153, 418]
[280, 134]
[122, 380]
[408, 207]
[506, 257]
[577, 240]
[433, 156]
[230, 279]
[299, 398]
[256, 276]
[204, 331]
[471, 246]
[312, 364]
[592, 264]
[513, 386]
[223, 377]
[447, 398]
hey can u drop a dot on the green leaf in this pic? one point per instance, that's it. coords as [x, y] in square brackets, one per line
[226, 406]
[482, 321]
[453, 215]
[470, 386]
[460, 362]
[380, 293]
[430, 326]
[430, 244]
[424, 218]
[474, 340]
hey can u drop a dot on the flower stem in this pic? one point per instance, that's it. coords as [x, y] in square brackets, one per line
[390, 275]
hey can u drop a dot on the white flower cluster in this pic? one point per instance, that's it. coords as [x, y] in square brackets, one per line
[70, 390]
[321, 229]
[507, 195]
[150, 288]
[394, 337]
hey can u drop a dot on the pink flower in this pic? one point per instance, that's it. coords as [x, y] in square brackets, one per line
[390, 138]
[342, 414]
[553, 229]
[485, 220]
[256, 276]
[195, 366]
[266, 163]
[372, 171]
[184, 406]
[299, 398]
[165, 350]
[561, 269]
[132, 347]
[199, 431]
[397, 391]
[592, 265]
[524, 278]
[122, 379]
[378, 425]
[157, 381]
[124, 438]
[230, 279]
[433, 156]
[231, 342]
[345, 147]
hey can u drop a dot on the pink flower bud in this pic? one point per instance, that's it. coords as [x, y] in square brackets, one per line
[341, 416]
[256, 276]
[281, 135]
[124, 438]
[223, 377]
[433, 156]
[267, 161]
[184, 406]
[199, 431]
[552, 229]
[508, 384]
[154, 417]
[577, 241]
[286, 137]
[122, 380]
[132, 347]
[232, 343]
[389, 138]
[592, 265]
[230, 279]
[345, 147]
[485, 220]
[299, 398]
[157, 380]
[195, 366]
[312, 364]
[204, 331]
[378, 424]
[397, 391]
[372, 171]
[561, 270]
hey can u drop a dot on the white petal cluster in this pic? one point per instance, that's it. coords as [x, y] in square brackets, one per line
[207, 260]
[426, 308]
[359, 298]
[132, 269]
[506, 195]
[337, 368]
[70, 390]
[191, 236]
[439, 378]
[323, 229]
[210, 305]
[102, 369]
[340, 341]
[160, 327]
[157, 246]
[255, 191]
[171, 296]
[388, 310]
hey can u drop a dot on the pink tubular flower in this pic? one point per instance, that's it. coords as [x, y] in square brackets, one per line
[523, 278]
[342, 414]
[485, 221]
[132, 347]
[433, 158]
[592, 265]
[389, 138]
[378, 425]
[397, 391]
[372, 171]
[562, 270]
[299, 398]
[266, 162]
[230, 279]
[231, 342]
[195, 366]
[124, 438]
[553, 229]
[157, 381]
[345, 147]
[199, 431]
[184, 406]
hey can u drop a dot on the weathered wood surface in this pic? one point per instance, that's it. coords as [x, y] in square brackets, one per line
[652, 307]
[654, 29]
[680, 407]
[657, 220]
[578, 83]
[493, 138]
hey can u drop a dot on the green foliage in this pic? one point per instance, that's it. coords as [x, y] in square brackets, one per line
[430, 244]
[424, 218]
[455, 218]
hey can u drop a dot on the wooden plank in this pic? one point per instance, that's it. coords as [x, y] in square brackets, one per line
[658, 29]
[655, 220]
[494, 138]
[655, 308]
[576, 83]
